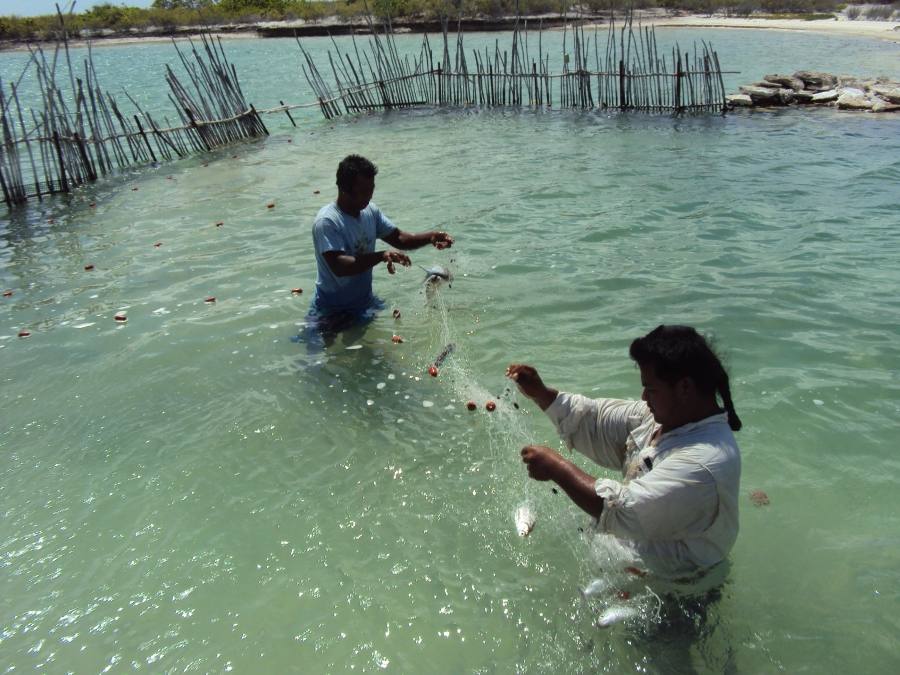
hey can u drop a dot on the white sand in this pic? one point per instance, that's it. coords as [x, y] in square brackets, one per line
[882, 30]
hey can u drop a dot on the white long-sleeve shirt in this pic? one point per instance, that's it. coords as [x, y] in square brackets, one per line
[677, 507]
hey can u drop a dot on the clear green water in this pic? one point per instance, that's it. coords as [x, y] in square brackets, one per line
[194, 491]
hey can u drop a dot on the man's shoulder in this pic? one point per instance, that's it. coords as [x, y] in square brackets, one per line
[329, 212]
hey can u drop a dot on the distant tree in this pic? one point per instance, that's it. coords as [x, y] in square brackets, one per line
[182, 4]
[106, 15]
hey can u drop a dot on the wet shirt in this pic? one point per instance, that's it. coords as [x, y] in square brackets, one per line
[677, 505]
[335, 230]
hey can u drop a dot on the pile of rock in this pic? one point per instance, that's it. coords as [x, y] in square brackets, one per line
[811, 88]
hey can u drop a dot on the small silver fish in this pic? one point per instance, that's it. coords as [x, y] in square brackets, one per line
[524, 520]
[437, 274]
[616, 614]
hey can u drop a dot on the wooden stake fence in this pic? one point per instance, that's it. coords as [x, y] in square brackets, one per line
[79, 135]
[629, 74]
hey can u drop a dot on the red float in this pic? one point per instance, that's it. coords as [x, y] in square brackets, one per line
[471, 405]
[396, 339]
[24, 333]
[490, 406]
[433, 371]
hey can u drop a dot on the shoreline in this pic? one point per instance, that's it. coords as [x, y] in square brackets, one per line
[888, 31]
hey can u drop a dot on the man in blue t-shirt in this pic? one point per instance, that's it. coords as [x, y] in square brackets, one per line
[344, 235]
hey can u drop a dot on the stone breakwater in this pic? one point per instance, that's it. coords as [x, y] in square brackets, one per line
[811, 88]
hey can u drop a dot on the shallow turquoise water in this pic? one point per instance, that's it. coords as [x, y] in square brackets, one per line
[196, 491]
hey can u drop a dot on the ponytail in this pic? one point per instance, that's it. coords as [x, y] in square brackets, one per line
[725, 392]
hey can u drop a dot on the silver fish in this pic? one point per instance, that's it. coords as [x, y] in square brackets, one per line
[616, 614]
[437, 274]
[524, 520]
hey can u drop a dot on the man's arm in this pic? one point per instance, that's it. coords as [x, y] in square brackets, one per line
[345, 265]
[546, 464]
[598, 429]
[407, 241]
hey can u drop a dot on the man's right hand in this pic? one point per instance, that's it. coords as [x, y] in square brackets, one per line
[531, 384]
[391, 257]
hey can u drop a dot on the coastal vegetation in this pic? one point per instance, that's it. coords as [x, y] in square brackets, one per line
[166, 16]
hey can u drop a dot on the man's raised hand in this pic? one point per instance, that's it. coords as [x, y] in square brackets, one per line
[441, 240]
[531, 384]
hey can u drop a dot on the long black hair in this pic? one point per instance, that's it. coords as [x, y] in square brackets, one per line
[675, 352]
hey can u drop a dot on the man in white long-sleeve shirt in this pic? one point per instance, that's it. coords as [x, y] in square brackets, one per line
[677, 507]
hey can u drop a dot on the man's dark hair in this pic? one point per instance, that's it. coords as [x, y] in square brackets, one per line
[351, 167]
[675, 352]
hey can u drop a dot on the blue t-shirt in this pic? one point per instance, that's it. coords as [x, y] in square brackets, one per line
[335, 230]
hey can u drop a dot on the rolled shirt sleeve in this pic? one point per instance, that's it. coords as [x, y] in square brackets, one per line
[599, 428]
[328, 236]
[677, 500]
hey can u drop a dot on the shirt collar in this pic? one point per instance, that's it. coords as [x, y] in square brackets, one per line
[693, 426]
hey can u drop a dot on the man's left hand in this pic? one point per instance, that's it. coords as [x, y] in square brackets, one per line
[441, 240]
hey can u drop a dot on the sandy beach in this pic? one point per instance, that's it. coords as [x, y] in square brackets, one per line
[881, 30]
